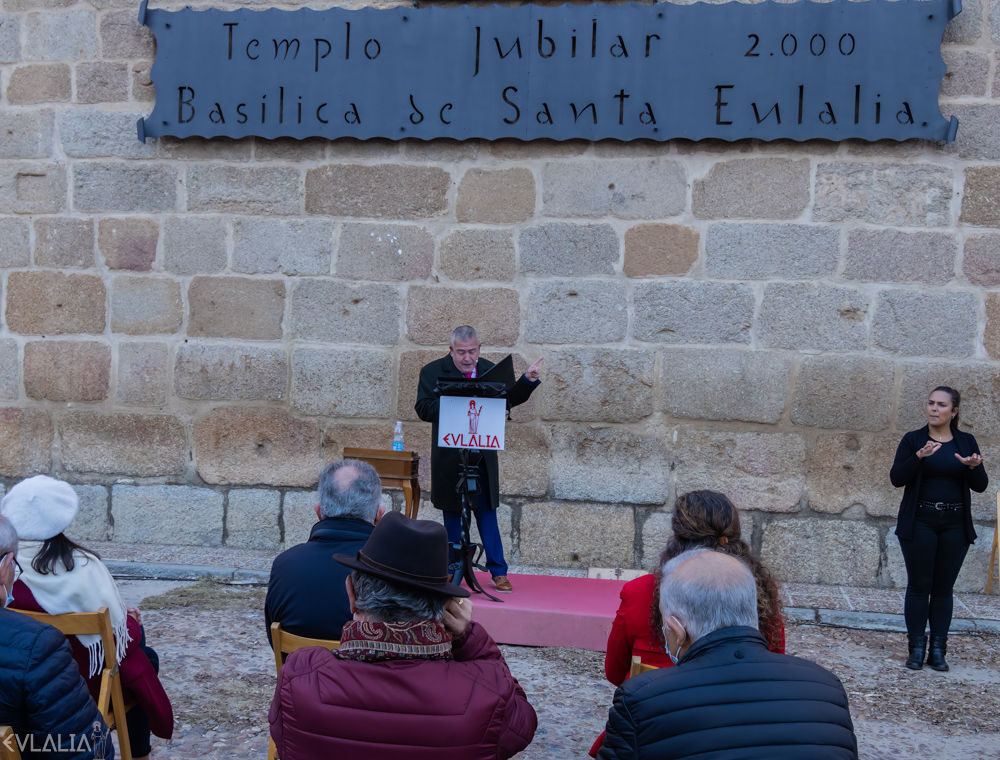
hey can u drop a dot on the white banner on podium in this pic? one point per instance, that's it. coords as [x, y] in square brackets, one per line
[472, 423]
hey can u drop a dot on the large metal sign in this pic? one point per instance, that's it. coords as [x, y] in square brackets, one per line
[802, 70]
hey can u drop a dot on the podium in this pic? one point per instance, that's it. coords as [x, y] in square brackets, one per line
[472, 416]
[396, 469]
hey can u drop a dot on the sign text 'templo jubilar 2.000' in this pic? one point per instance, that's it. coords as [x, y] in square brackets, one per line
[802, 70]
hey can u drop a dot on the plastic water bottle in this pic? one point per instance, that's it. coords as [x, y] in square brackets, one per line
[397, 437]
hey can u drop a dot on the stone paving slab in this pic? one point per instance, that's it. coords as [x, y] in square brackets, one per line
[162, 554]
[887, 601]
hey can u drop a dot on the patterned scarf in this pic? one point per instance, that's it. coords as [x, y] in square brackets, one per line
[378, 642]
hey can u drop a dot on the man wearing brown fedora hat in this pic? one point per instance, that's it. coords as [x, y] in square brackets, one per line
[414, 675]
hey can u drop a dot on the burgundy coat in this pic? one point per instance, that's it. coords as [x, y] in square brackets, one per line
[138, 678]
[468, 708]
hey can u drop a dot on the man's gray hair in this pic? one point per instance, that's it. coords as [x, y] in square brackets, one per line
[388, 602]
[350, 488]
[8, 536]
[464, 333]
[708, 590]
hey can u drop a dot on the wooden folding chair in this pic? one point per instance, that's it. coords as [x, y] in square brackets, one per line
[638, 666]
[990, 577]
[111, 701]
[8, 744]
[284, 643]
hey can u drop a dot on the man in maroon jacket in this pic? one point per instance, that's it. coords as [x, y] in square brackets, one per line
[414, 676]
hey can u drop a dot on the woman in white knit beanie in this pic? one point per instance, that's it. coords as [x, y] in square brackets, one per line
[60, 576]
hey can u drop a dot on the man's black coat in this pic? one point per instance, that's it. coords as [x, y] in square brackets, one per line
[730, 698]
[445, 462]
[306, 592]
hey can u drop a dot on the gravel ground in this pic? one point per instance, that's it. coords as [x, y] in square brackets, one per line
[219, 673]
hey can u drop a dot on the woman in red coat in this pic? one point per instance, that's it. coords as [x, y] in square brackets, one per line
[701, 519]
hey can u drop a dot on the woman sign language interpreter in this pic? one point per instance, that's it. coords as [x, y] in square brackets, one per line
[937, 466]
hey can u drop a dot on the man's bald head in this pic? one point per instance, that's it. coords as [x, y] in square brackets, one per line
[707, 590]
[350, 488]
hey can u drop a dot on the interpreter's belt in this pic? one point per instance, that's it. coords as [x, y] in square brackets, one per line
[940, 506]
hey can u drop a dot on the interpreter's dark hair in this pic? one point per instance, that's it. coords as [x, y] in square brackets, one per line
[956, 400]
[59, 549]
[709, 520]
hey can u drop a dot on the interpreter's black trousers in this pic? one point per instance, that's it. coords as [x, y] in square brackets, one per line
[933, 557]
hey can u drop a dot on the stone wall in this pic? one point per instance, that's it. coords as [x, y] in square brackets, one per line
[190, 329]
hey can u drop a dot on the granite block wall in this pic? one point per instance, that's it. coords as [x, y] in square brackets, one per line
[190, 329]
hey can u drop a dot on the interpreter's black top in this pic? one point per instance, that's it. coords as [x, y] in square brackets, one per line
[908, 472]
[944, 476]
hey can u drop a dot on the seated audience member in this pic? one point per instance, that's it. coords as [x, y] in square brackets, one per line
[61, 576]
[43, 697]
[701, 519]
[306, 590]
[414, 677]
[729, 698]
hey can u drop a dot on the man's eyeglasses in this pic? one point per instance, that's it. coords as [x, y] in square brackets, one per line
[17, 566]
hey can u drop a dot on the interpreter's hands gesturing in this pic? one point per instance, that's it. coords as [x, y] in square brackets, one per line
[972, 462]
[532, 372]
[457, 614]
[929, 448]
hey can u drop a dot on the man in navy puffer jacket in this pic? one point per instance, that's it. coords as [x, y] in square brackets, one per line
[43, 698]
[729, 698]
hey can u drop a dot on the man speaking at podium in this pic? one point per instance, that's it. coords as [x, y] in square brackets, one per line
[463, 360]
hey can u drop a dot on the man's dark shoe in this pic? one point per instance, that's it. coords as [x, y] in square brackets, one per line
[501, 584]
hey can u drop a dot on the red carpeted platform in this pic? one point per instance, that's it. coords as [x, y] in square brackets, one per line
[549, 611]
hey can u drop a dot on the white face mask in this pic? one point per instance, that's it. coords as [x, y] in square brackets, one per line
[674, 658]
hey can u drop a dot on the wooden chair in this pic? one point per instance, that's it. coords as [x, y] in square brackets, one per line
[638, 666]
[111, 701]
[284, 643]
[8, 744]
[990, 577]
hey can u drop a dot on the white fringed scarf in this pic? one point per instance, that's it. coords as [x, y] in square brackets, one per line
[86, 588]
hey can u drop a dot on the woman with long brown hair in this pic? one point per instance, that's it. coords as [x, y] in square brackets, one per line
[708, 519]
[701, 519]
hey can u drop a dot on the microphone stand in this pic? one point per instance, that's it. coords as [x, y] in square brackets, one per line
[466, 552]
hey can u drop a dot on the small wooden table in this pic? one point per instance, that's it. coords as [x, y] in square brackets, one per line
[397, 469]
